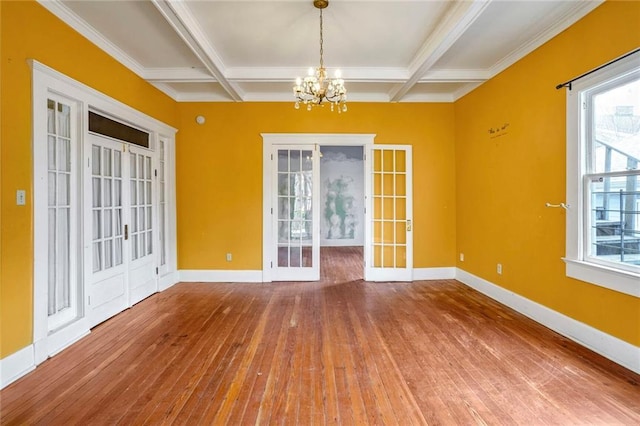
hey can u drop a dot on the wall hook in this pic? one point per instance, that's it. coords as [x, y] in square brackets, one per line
[563, 205]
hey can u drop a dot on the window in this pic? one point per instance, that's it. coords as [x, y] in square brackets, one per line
[603, 177]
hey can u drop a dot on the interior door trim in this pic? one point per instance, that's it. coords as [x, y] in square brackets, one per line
[271, 140]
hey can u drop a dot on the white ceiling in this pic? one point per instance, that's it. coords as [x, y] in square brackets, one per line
[252, 50]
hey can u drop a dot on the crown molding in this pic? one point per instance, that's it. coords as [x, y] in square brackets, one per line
[427, 98]
[182, 75]
[454, 76]
[67, 16]
[286, 74]
[467, 88]
[579, 10]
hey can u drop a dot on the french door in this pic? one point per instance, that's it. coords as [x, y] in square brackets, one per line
[389, 251]
[63, 293]
[296, 223]
[119, 217]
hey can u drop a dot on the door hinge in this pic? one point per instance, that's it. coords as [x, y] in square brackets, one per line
[89, 300]
[156, 271]
[271, 210]
[126, 232]
[272, 264]
[155, 172]
[271, 157]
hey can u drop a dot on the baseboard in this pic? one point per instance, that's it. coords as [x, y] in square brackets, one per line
[610, 347]
[223, 276]
[220, 276]
[168, 280]
[420, 274]
[16, 365]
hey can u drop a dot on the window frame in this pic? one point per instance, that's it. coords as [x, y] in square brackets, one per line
[578, 264]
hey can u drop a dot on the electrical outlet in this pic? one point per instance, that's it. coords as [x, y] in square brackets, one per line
[461, 257]
[21, 197]
[499, 269]
[229, 257]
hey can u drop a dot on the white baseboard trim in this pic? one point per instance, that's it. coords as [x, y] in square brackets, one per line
[447, 273]
[16, 365]
[610, 347]
[220, 276]
[168, 280]
[223, 276]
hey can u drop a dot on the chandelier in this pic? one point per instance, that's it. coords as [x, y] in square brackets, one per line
[316, 88]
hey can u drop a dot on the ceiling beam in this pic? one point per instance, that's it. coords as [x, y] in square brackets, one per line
[184, 74]
[452, 27]
[180, 18]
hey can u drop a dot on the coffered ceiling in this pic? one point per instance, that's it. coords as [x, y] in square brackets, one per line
[252, 50]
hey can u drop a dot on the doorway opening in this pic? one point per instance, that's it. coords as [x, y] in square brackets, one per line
[291, 207]
[342, 211]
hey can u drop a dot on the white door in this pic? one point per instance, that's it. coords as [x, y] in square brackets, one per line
[105, 269]
[119, 262]
[296, 219]
[389, 245]
[62, 212]
[141, 262]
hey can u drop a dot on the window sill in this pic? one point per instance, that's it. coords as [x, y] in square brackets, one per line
[613, 279]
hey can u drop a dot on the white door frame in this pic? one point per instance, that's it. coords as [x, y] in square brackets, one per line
[47, 81]
[269, 140]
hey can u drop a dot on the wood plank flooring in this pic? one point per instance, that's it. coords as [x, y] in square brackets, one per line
[338, 351]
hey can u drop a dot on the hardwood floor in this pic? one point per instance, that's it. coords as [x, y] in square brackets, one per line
[338, 351]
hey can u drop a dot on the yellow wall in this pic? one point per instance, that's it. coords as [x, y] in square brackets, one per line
[219, 174]
[503, 182]
[29, 31]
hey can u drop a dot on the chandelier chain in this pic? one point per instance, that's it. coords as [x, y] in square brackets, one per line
[321, 42]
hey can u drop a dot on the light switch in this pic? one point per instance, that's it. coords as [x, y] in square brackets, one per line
[21, 197]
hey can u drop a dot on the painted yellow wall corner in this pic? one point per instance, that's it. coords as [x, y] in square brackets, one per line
[28, 31]
[510, 161]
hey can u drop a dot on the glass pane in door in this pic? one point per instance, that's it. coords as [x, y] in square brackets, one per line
[106, 207]
[391, 242]
[295, 230]
[59, 196]
[141, 205]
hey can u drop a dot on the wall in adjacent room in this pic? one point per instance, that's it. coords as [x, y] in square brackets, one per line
[510, 161]
[342, 196]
